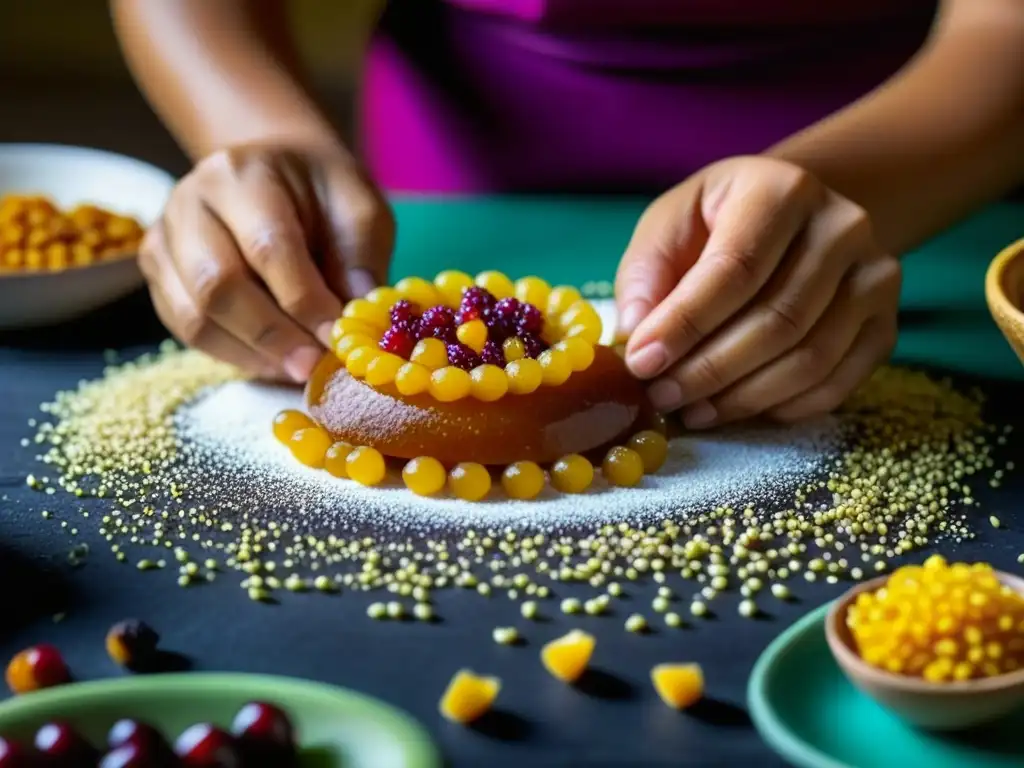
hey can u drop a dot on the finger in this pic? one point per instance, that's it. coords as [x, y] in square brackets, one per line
[182, 318]
[866, 288]
[753, 228]
[794, 300]
[264, 222]
[362, 231]
[872, 348]
[223, 288]
[665, 244]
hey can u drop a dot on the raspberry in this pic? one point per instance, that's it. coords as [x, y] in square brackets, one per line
[403, 312]
[476, 297]
[501, 320]
[530, 319]
[534, 345]
[438, 323]
[462, 357]
[493, 354]
[398, 340]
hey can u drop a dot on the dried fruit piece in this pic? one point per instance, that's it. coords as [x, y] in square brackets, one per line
[132, 643]
[40, 666]
[567, 657]
[468, 696]
[679, 685]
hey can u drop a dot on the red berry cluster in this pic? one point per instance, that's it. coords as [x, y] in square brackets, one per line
[504, 319]
[261, 737]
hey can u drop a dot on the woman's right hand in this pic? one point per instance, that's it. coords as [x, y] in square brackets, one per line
[257, 249]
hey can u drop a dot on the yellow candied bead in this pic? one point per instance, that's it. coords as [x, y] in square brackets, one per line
[366, 466]
[555, 367]
[469, 481]
[430, 353]
[449, 384]
[346, 326]
[513, 349]
[420, 292]
[451, 284]
[358, 359]
[560, 299]
[523, 480]
[488, 383]
[524, 376]
[572, 474]
[497, 283]
[412, 379]
[533, 290]
[623, 467]
[588, 331]
[384, 296]
[288, 422]
[383, 369]
[352, 341]
[473, 334]
[468, 696]
[335, 459]
[424, 476]
[652, 447]
[579, 352]
[371, 314]
[309, 446]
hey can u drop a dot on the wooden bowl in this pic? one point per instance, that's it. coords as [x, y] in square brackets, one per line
[1004, 292]
[69, 176]
[934, 706]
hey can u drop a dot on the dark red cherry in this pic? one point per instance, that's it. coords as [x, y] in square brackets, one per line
[64, 746]
[207, 746]
[266, 735]
[136, 754]
[13, 755]
[142, 735]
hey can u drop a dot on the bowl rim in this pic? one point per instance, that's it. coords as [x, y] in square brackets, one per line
[21, 148]
[73, 269]
[848, 659]
[994, 280]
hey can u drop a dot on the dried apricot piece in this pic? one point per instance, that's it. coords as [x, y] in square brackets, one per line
[468, 696]
[567, 657]
[679, 685]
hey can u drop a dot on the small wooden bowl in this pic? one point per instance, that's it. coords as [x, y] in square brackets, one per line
[934, 706]
[1004, 292]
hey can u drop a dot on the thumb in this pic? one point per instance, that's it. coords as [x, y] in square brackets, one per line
[361, 232]
[665, 244]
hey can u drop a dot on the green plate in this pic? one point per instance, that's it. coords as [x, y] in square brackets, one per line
[805, 708]
[336, 727]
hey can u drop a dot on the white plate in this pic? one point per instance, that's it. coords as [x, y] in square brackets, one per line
[70, 176]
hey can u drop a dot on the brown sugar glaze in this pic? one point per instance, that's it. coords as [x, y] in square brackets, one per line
[596, 407]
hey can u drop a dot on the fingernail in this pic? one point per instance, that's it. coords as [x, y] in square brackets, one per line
[360, 282]
[700, 415]
[323, 332]
[631, 317]
[299, 364]
[665, 395]
[647, 362]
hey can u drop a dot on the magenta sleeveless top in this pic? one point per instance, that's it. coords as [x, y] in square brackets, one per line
[465, 96]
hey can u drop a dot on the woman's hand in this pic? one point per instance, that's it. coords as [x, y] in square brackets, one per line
[257, 249]
[753, 289]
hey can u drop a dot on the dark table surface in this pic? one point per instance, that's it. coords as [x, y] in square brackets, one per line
[407, 664]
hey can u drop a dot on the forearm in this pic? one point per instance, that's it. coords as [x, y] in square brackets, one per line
[219, 72]
[941, 138]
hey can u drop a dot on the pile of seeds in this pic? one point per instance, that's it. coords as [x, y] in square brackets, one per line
[911, 450]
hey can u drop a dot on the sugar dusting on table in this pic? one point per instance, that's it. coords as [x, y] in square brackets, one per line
[227, 432]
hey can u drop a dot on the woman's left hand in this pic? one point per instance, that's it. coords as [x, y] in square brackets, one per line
[752, 289]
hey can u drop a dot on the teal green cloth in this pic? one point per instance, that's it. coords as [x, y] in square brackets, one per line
[574, 240]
